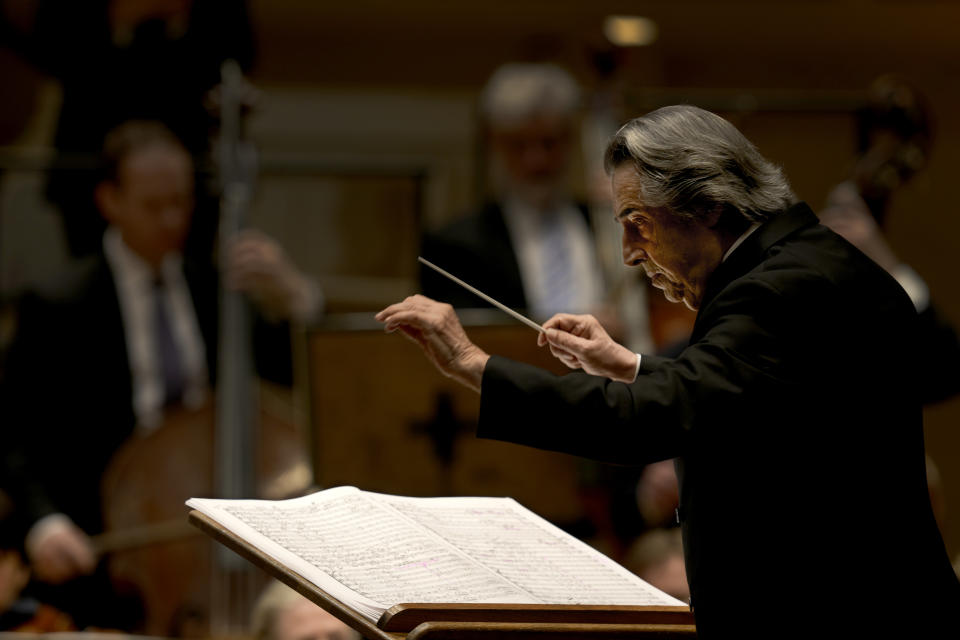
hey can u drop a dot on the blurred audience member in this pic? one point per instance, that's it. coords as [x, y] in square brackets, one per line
[658, 495]
[25, 615]
[531, 246]
[125, 335]
[283, 614]
[657, 557]
[894, 139]
[13, 578]
[119, 60]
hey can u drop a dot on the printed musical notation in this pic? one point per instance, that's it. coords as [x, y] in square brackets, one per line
[372, 551]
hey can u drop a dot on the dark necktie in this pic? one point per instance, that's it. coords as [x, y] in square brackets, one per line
[171, 365]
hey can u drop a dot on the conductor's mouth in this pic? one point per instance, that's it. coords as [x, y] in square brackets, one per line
[659, 280]
[673, 291]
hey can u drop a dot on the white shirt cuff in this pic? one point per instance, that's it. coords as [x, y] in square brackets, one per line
[636, 372]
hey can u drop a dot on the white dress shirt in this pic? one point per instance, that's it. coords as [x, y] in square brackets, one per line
[586, 285]
[134, 279]
[134, 282]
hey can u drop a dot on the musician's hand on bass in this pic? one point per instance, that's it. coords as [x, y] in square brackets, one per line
[58, 550]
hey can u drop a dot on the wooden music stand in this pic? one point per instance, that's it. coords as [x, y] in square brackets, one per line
[473, 621]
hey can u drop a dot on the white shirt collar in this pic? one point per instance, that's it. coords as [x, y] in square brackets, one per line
[129, 266]
[134, 278]
[525, 227]
[739, 241]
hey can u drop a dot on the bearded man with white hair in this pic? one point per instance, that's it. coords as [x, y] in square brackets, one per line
[531, 246]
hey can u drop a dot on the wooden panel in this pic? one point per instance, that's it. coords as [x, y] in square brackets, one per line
[357, 235]
[376, 400]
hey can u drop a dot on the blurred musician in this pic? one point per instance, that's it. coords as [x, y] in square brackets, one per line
[532, 246]
[118, 60]
[283, 614]
[894, 136]
[124, 335]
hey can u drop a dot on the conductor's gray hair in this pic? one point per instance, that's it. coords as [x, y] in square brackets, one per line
[690, 161]
[518, 91]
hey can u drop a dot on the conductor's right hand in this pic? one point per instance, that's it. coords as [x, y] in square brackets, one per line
[435, 327]
[580, 342]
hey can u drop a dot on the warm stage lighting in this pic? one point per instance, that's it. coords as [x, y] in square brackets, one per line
[630, 31]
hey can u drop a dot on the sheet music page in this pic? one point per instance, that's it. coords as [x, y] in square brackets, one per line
[359, 550]
[525, 549]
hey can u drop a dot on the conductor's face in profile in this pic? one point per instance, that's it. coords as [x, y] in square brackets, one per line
[151, 200]
[678, 254]
[681, 206]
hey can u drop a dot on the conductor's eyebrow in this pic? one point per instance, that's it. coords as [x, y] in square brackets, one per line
[623, 213]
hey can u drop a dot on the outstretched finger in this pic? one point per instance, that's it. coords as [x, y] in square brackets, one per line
[397, 307]
[566, 357]
[567, 341]
[415, 302]
[411, 318]
[383, 314]
[570, 361]
[559, 352]
[563, 322]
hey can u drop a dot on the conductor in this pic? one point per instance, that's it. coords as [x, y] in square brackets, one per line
[793, 412]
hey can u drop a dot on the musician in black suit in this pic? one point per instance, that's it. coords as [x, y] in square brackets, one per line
[894, 139]
[118, 60]
[531, 246]
[122, 336]
[793, 412]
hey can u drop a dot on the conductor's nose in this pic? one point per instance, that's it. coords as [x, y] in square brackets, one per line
[633, 255]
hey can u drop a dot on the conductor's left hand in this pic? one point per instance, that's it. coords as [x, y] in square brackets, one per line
[580, 342]
[435, 327]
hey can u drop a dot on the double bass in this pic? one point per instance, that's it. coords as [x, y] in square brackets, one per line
[244, 445]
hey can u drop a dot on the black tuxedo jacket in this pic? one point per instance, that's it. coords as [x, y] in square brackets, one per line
[67, 390]
[796, 423]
